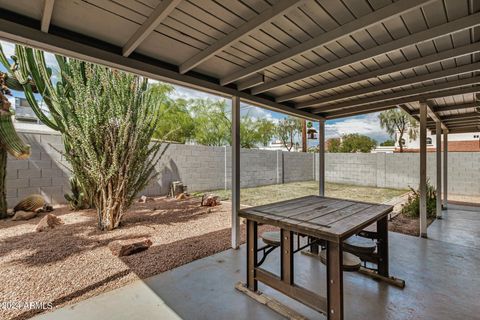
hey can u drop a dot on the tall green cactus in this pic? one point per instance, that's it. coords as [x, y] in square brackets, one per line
[10, 142]
[29, 73]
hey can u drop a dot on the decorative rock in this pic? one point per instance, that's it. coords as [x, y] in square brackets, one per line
[23, 215]
[145, 199]
[122, 248]
[210, 200]
[50, 221]
[182, 196]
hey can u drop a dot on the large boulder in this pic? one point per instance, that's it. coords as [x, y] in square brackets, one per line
[50, 221]
[122, 248]
[24, 215]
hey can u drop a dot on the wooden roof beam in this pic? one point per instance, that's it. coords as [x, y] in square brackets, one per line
[432, 114]
[46, 15]
[263, 18]
[422, 61]
[416, 38]
[251, 82]
[471, 115]
[400, 94]
[469, 68]
[453, 107]
[463, 130]
[384, 105]
[162, 11]
[378, 16]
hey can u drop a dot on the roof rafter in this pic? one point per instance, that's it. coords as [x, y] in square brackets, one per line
[384, 105]
[46, 15]
[366, 21]
[399, 94]
[468, 68]
[416, 38]
[432, 114]
[84, 48]
[162, 11]
[261, 19]
[463, 130]
[453, 107]
[251, 82]
[469, 115]
[422, 61]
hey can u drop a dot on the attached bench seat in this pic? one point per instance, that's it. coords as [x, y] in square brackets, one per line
[350, 261]
[271, 238]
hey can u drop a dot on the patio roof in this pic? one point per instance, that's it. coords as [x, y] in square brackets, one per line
[317, 59]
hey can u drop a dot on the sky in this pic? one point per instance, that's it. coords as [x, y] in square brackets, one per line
[364, 124]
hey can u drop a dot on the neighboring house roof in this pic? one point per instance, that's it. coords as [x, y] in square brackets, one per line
[453, 146]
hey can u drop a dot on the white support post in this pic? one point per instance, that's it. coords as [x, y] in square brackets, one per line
[423, 169]
[445, 169]
[438, 157]
[235, 172]
[321, 158]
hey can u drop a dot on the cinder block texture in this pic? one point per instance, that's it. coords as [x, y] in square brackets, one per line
[204, 168]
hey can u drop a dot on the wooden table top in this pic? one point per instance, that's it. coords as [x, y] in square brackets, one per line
[323, 217]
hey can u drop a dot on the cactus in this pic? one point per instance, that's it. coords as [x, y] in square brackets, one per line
[30, 74]
[78, 199]
[107, 119]
[31, 203]
[10, 142]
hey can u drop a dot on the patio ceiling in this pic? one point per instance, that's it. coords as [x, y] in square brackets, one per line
[319, 59]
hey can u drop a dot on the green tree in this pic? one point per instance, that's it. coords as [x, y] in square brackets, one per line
[212, 124]
[333, 144]
[388, 143]
[177, 122]
[398, 121]
[266, 131]
[287, 130]
[355, 142]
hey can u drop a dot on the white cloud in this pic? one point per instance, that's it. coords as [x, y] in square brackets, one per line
[368, 125]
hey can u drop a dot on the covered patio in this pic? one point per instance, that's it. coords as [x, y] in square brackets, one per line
[442, 278]
[319, 60]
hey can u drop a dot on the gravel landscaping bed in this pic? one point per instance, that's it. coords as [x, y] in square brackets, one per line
[72, 262]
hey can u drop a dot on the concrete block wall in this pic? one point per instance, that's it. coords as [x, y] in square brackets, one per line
[198, 167]
[204, 168]
[401, 170]
[45, 172]
[298, 166]
[351, 168]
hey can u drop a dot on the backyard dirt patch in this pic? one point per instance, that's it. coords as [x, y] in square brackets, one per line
[406, 225]
[72, 262]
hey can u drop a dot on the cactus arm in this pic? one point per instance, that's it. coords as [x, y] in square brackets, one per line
[9, 138]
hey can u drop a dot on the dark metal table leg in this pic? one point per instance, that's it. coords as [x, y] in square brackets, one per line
[382, 229]
[251, 254]
[334, 281]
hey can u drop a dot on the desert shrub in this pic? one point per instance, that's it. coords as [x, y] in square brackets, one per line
[412, 207]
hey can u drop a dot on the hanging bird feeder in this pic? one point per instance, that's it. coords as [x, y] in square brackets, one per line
[311, 132]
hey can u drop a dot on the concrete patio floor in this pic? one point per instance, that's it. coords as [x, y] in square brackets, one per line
[442, 277]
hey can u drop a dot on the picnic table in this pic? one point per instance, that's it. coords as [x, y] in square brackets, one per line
[333, 221]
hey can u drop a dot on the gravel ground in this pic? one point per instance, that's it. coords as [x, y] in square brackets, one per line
[72, 263]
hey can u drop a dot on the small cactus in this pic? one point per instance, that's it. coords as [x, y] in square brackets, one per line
[31, 203]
